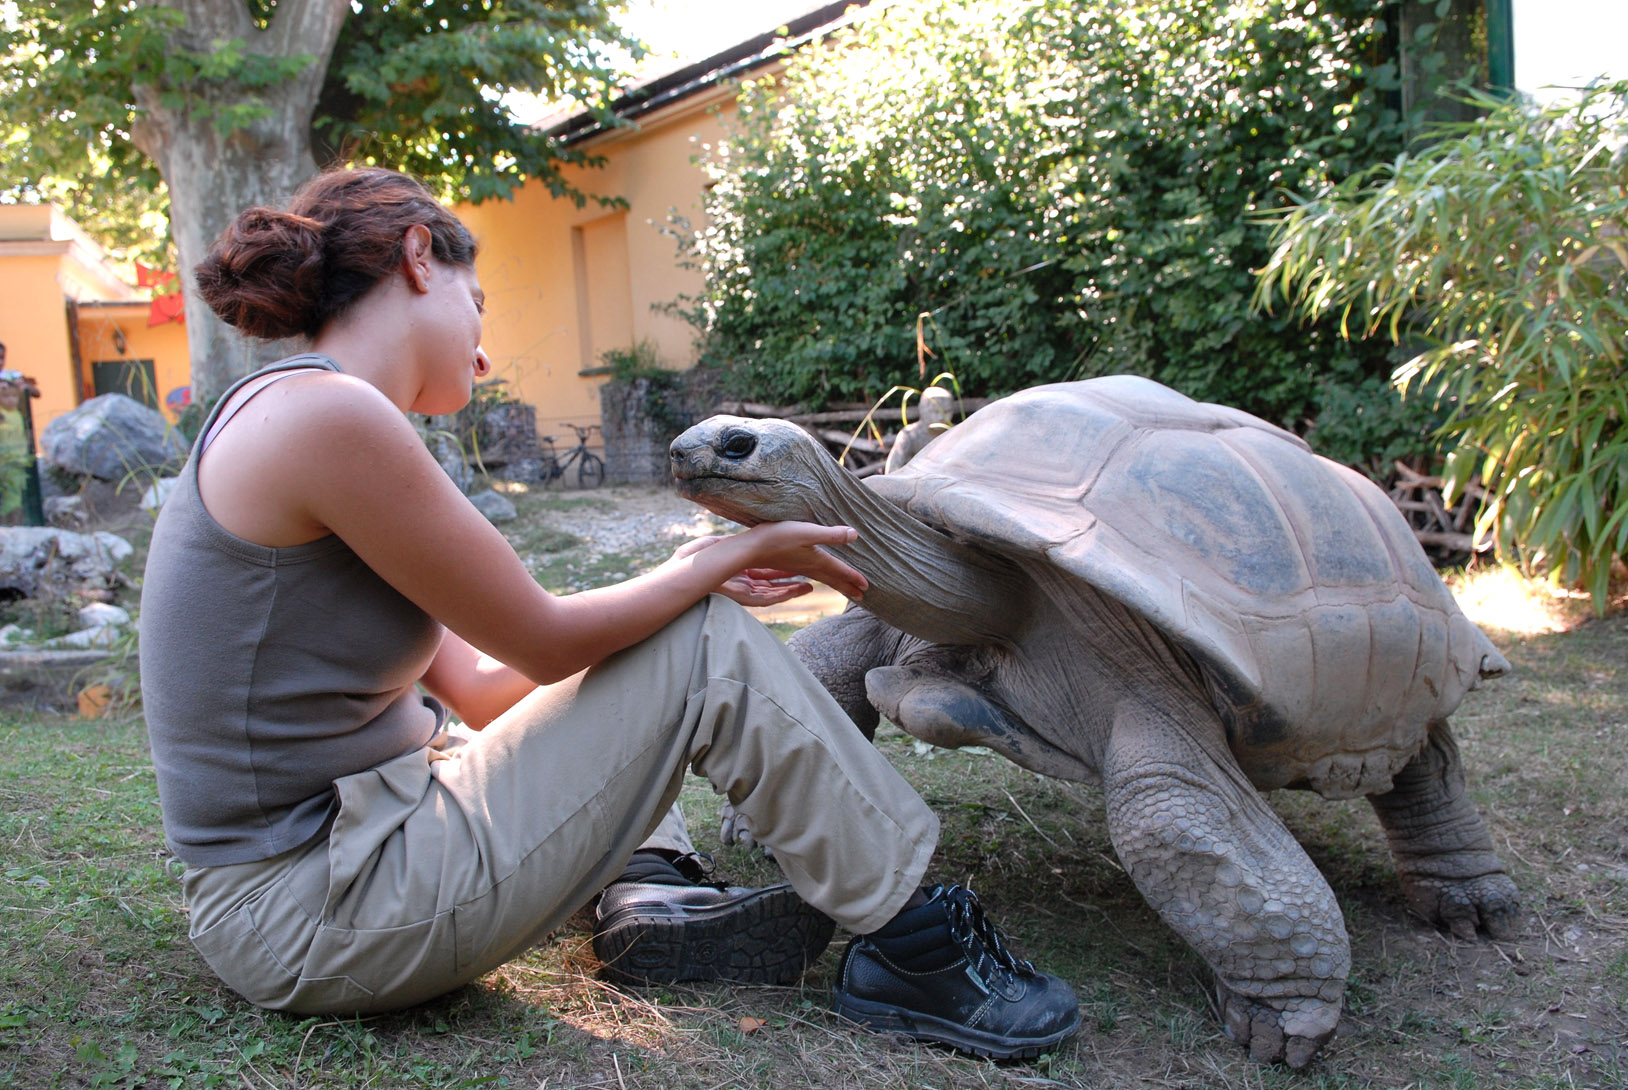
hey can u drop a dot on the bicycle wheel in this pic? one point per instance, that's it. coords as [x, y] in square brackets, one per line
[550, 459]
[591, 473]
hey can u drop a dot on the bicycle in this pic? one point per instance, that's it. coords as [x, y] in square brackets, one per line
[590, 466]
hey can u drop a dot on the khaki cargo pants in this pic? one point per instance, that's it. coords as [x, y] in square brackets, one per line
[448, 861]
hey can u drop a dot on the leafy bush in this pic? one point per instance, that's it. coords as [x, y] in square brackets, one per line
[664, 394]
[1067, 188]
[15, 460]
[1503, 249]
[1364, 422]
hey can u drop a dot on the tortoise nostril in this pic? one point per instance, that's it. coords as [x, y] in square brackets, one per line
[739, 445]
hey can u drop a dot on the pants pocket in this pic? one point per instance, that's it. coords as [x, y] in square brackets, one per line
[260, 950]
[379, 969]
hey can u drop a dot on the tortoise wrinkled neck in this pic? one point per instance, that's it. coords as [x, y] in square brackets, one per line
[921, 580]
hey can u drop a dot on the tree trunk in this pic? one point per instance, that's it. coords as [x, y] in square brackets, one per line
[213, 175]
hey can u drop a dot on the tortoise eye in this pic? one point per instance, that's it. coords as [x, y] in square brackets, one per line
[738, 445]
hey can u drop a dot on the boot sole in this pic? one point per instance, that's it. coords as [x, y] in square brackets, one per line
[769, 937]
[886, 1018]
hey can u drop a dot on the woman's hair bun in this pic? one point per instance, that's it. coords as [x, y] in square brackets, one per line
[263, 275]
[278, 273]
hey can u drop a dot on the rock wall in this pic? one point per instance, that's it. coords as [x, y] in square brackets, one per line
[643, 415]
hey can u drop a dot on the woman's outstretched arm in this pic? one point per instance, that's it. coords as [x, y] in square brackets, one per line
[347, 462]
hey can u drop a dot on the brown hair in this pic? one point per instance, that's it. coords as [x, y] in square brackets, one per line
[279, 273]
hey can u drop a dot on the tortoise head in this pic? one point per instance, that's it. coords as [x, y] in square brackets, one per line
[752, 471]
[922, 581]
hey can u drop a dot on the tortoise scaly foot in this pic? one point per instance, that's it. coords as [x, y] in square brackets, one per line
[1227, 876]
[1291, 1032]
[1444, 857]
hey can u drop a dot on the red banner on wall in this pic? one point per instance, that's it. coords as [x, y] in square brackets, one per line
[166, 306]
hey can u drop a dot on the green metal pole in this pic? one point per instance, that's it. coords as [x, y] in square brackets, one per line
[1501, 46]
[33, 505]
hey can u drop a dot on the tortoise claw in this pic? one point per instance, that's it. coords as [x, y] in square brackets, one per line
[1489, 902]
[734, 830]
[1291, 1034]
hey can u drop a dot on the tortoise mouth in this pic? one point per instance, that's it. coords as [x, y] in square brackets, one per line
[713, 492]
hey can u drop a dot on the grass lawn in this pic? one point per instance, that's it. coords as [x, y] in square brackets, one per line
[99, 986]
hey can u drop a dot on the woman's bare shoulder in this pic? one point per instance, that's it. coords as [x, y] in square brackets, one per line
[298, 443]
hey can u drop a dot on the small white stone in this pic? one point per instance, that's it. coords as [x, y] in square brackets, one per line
[86, 638]
[157, 493]
[101, 613]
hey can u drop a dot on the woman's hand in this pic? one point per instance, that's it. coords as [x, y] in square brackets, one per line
[752, 586]
[778, 554]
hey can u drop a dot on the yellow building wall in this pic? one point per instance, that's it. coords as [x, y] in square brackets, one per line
[564, 284]
[34, 329]
[55, 288]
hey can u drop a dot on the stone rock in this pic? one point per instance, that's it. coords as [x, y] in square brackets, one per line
[521, 471]
[110, 436]
[494, 506]
[507, 433]
[84, 639]
[157, 493]
[459, 471]
[451, 458]
[103, 613]
[66, 512]
[103, 623]
[36, 560]
[934, 416]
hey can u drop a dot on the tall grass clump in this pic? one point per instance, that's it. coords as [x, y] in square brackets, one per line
[1498, 256]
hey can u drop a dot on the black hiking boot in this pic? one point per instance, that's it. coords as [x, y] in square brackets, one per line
[941, 972]
[665, 920]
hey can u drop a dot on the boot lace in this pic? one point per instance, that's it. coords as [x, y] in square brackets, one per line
[700, 868]
[969, 925]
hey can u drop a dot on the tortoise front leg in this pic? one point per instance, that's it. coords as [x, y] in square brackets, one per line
[1444, 857]
[1214, 860]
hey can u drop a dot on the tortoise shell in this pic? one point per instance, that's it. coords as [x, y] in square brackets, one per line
[1327, 639]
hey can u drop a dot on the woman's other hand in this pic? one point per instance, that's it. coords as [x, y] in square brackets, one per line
[784, 554]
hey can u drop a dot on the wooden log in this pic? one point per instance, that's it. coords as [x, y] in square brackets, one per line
[1463, 543]
[842, 439]
[831, 416]
[839, 413]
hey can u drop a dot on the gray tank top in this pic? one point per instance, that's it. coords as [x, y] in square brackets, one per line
[267, 673]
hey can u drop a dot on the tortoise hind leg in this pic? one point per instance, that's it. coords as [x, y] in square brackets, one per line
[1444, 856]
[1225, 873]
[928, 698]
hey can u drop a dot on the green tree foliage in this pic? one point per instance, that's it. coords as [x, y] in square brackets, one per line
[412, 85]
[418, 86]
[1502, 252]
[1068, 188]
[235, 103]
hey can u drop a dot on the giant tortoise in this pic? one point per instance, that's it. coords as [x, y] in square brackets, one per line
[1110, 582]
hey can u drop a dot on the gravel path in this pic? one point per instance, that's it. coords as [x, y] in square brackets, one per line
[635, 519]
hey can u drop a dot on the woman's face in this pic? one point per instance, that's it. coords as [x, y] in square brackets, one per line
[451, 347]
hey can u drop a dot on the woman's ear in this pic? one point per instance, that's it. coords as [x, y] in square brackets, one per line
[416, 255]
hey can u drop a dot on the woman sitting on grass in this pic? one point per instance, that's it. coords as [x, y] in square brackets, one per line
[349, 849]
